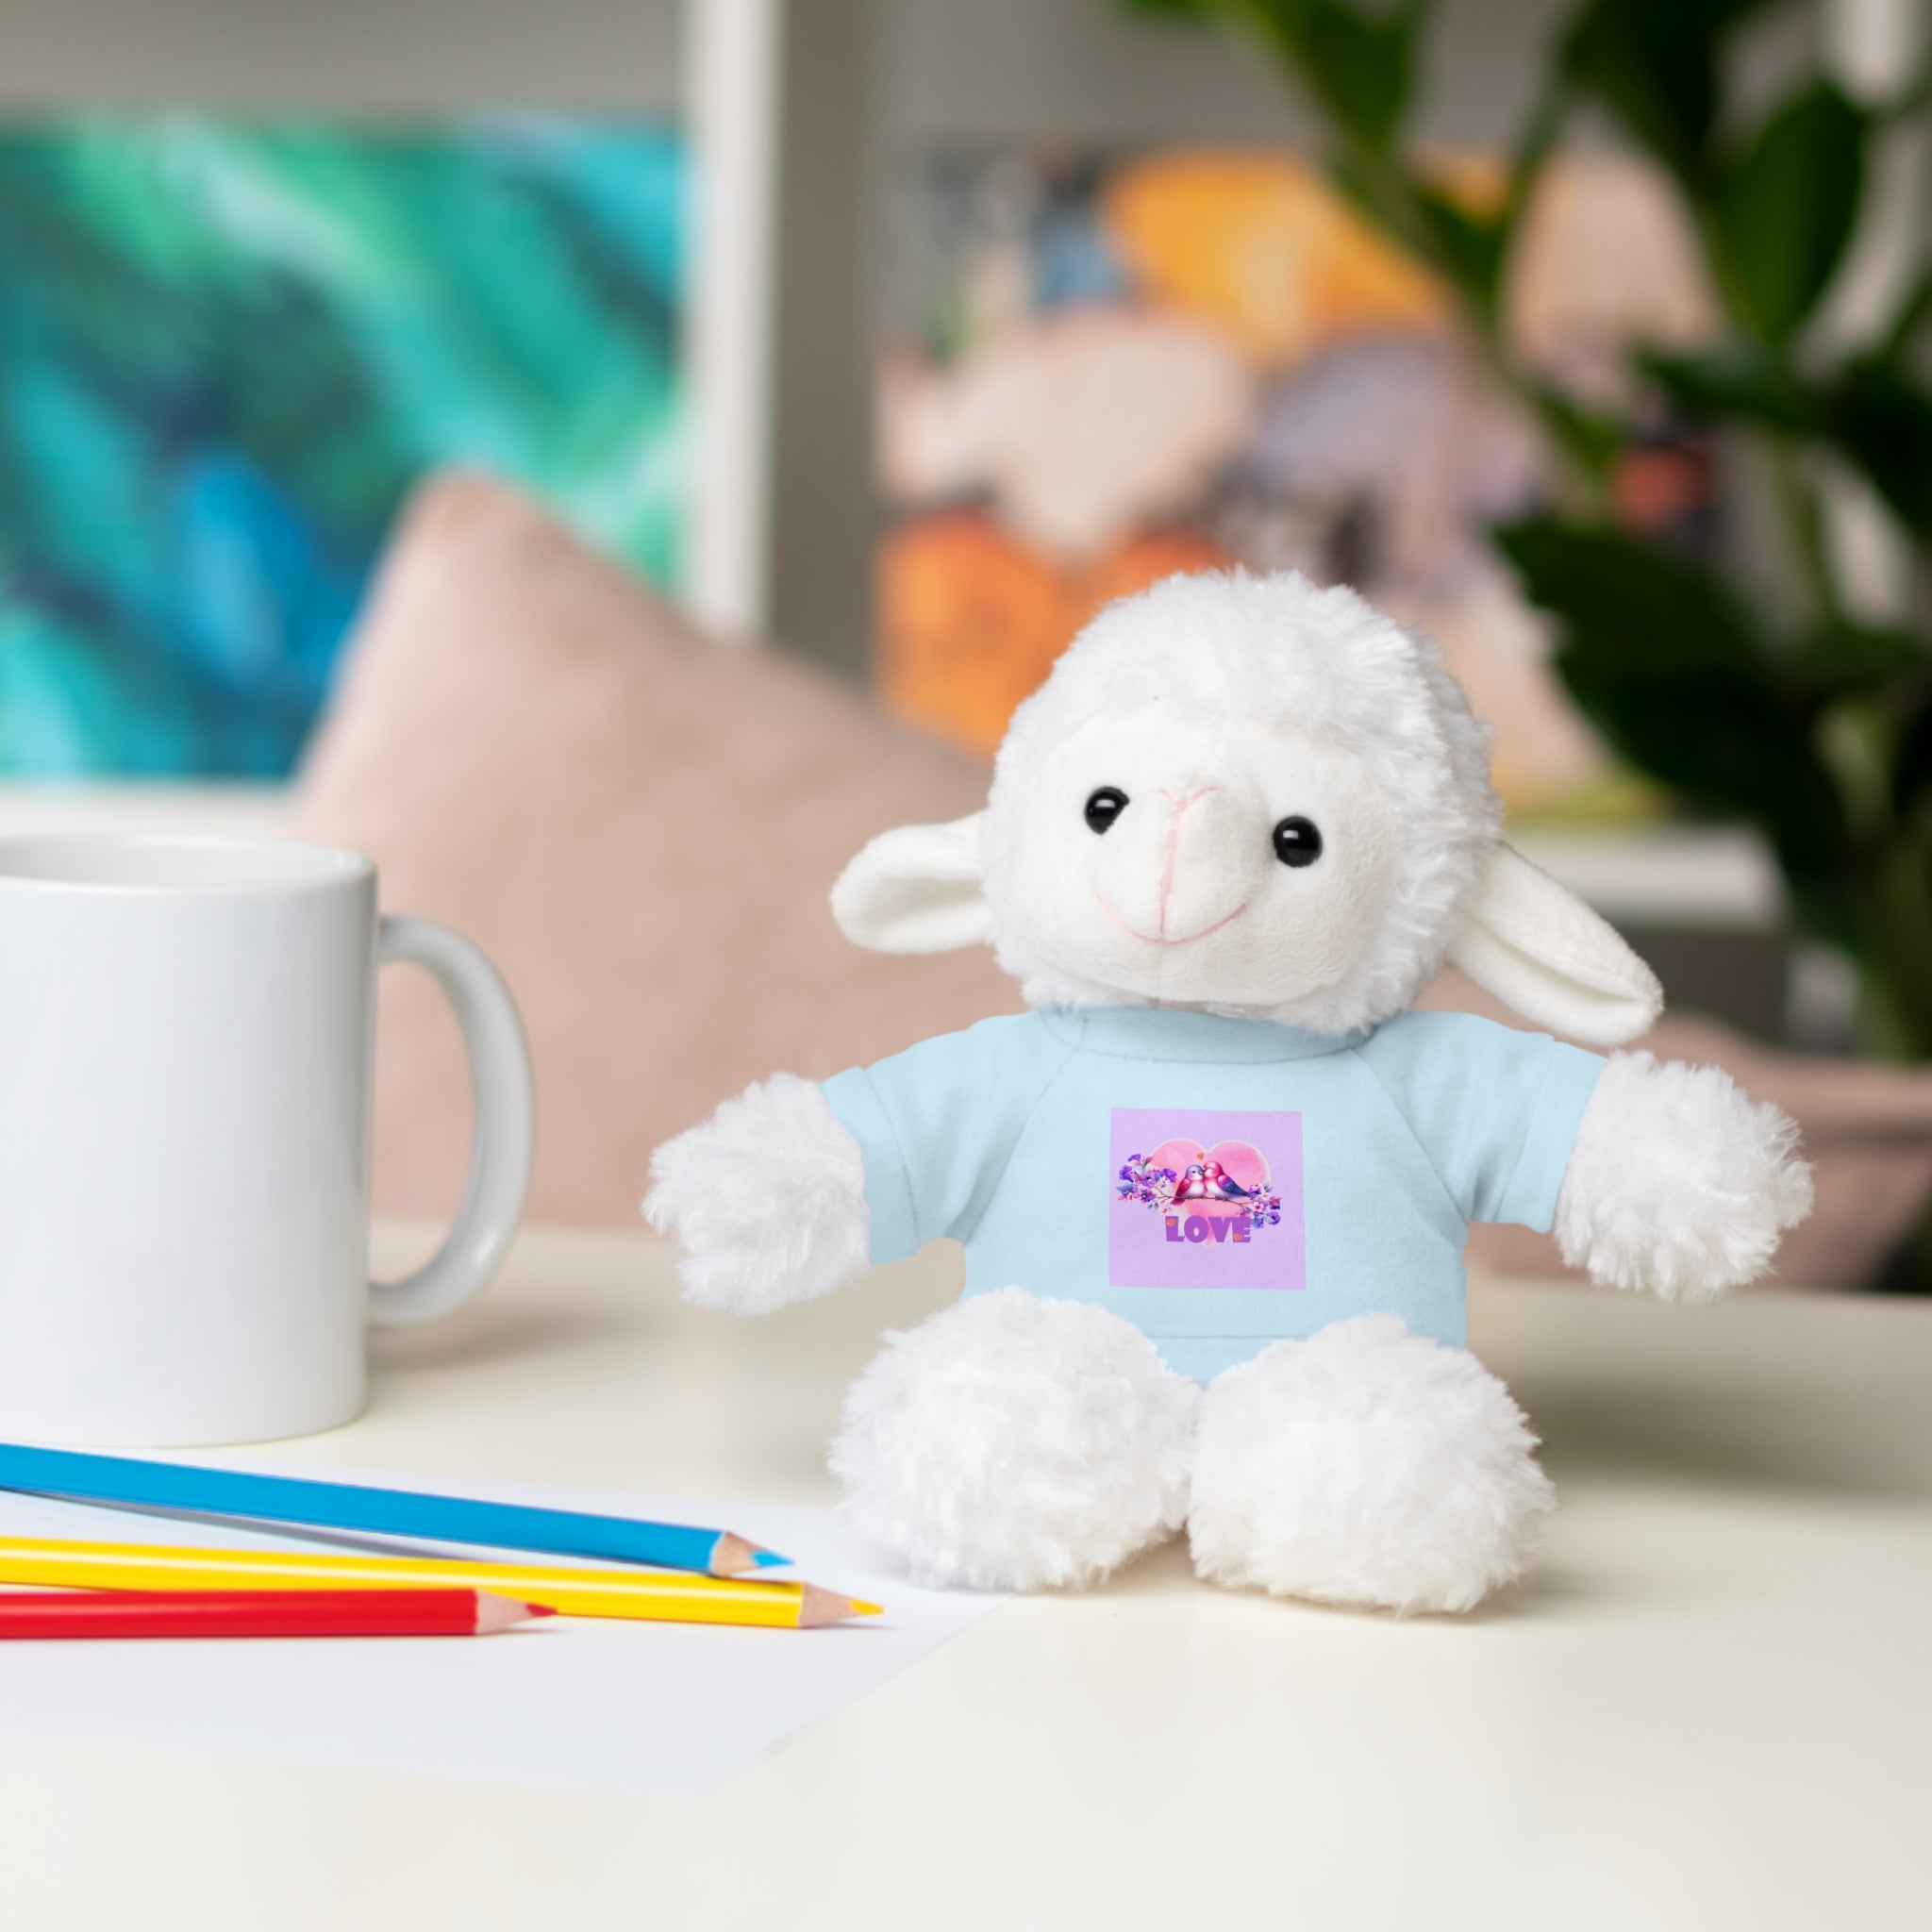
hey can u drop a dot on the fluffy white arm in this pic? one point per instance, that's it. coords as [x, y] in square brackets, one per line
[1679, 1182]
[767, 1198]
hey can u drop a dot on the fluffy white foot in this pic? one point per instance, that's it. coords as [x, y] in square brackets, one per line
[1014, 1443]
[767, 1197]
[1679, 1182]
[1366, 1465]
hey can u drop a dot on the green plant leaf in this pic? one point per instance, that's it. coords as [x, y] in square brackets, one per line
[1875, 414]
[1654, 63]
[1470, 248]
[1911, 778]
[1743, 381]
[1674, 668]
[1727, 743]
[1598, 438]
[1881, 417]
[1359, 63]
[1841, 660]
[1912, 315]
[1644, 602]
[1363, 190]
[1787, 208]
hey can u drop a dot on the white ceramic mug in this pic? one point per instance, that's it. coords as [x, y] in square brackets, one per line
[187, 1043]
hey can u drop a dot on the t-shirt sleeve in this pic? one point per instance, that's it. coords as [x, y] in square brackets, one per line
[937, 1123]
[1496, 1111]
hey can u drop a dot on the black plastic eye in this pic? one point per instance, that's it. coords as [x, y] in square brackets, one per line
[1296, 841]
[1105, 805]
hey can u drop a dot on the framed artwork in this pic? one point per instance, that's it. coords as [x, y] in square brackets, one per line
[233, 345]
[1100, 369]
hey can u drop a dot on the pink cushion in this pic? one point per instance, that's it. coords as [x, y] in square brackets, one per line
[638, 826]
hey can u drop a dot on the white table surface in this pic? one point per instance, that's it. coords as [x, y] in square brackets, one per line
[1713, 1710]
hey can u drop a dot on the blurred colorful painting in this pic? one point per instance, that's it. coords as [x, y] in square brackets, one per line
[230, 347]
[1099, 371]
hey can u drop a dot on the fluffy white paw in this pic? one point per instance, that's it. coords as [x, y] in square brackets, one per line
[1679, 1182]
[767, 1197]
[1366, 1465]
[1014, 1443]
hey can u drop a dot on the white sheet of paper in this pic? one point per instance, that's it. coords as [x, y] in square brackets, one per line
[583, 1702]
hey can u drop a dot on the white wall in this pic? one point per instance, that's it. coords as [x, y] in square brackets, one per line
[373, 55]
[1084, 70]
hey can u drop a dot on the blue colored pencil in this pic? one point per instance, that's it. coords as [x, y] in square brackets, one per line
[270, 1499]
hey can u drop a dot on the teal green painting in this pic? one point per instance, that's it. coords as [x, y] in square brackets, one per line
[227, 350]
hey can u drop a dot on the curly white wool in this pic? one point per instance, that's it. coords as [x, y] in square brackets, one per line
[1366, 1465]
[803, 1231]
[1017, 1443]
[1280, 646]
[1025, 1444]
[1679, 1182]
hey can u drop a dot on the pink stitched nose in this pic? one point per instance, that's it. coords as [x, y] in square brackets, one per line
[1180, 806]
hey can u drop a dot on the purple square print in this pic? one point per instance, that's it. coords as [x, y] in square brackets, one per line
[1203, 1199]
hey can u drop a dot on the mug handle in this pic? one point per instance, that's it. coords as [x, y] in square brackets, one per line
[503, 1137]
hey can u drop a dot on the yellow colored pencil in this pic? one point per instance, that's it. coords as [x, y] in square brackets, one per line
[653, 1595]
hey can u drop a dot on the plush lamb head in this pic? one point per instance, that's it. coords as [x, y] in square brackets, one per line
[1213, 1189]
[1250, 796]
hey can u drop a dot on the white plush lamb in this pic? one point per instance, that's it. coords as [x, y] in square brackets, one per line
[1215, 1188]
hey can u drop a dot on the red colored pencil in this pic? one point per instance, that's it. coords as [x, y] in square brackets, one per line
[261, 1613]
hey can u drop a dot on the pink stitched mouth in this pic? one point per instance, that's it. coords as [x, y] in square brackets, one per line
[1154, 939]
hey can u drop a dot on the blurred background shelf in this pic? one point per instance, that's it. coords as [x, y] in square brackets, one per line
[225, 811]
[1705, 906]
[1719, 878]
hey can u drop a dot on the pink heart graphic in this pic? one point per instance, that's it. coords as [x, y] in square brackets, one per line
[1237, 1226]
[1240, 1163]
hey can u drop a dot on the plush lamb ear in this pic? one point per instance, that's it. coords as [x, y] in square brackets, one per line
[1542, 951]
[916, 890]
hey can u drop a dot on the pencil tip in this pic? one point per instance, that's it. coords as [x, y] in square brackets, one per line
[731, 1556]
[494, 1613]
[816, 1607]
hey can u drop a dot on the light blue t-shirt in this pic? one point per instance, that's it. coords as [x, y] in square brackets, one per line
[1221, 1183]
